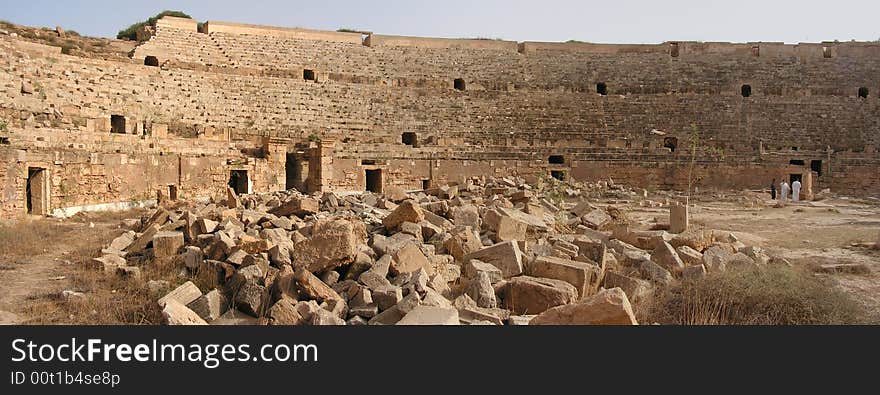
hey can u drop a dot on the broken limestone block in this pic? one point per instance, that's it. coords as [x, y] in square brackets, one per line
[280, 255]
[252, 298]
[653, 272]
[608, 307]
[254, 245]
[108, 263]
[715, 258]
[505, 256]
[330, 277]
[461, 242]
[593, 249]
[678, 218]
[409, 259]
[467, 215]
[409, 302]
[596, 219]
[636, 289]
[141, 242]
[520, 319]
[666, 256]
[386, 297]
[323, 317]
[232, 200]
[192, 257]
[313, 287]
[689, 256]
[697, 239]
[481, 291]
[412, 229]
[474, 266]
[235, 317]
[299, 206]
[429, 315]
[630, 254]
[408, 211]
[210, 306]
[284, 312]
[533, 295]
[583, 276]
[333, 243]
[184, 294]
[122, 242]
[176, 313]
[237, 257]
[387, 317]
[166, 244]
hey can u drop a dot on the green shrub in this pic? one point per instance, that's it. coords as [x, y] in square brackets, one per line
[347, 30]
[130, 33]
[773, 295]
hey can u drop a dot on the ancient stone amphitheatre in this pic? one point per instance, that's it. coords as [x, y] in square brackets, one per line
[232, 174]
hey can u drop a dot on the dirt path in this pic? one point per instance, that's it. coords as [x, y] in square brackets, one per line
[37, 265]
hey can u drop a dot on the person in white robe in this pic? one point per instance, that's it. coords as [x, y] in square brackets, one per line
[783, 192]
[796, 191]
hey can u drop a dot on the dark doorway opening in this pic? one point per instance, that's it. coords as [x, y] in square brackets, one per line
[794, 177]
[117, 124]
[309, 75]
[816, 166]
[558, 174]
[36, 191]
[601, 88]
[796, 162]
[826, 53]
[238, 181]
[374, 180]
[293, 171]
[409, 138]
[459, 84]
[556, 160]
[172, 192]
[863, 92]
[746, 90]
[426, 184]
[671, 143]
[673, 50]
[151, 61]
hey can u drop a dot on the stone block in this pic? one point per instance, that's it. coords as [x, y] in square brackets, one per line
[184, 294]
[583, 276]
[608, 307]
[533, 295]
[333, 243]
[408, 211]
[505, 256]
[429, 315]
[176, 313]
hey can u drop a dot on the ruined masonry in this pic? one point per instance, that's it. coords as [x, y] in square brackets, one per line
[263, 109]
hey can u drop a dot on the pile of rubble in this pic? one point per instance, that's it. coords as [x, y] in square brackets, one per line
[490, 252]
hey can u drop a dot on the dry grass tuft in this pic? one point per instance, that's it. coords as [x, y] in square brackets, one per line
[26, 237]
[775, 295]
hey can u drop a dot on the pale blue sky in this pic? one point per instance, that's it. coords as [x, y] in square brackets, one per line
[608, 21]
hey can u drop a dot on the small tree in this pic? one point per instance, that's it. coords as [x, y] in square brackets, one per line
[130, 33]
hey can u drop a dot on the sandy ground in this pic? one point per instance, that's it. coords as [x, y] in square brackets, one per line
[824, 232]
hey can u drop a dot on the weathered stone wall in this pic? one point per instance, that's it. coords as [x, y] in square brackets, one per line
[239, 98]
